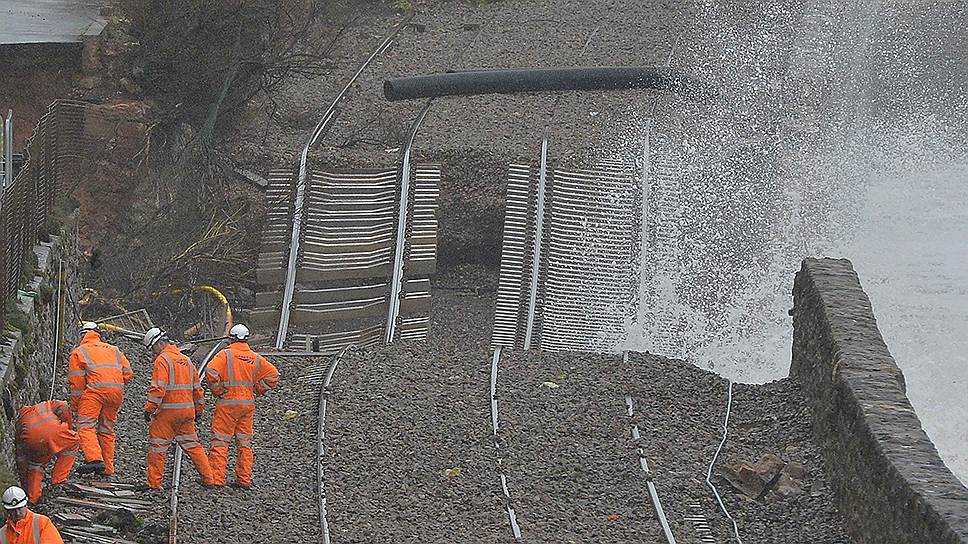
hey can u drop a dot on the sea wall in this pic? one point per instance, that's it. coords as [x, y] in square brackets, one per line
[888, 478]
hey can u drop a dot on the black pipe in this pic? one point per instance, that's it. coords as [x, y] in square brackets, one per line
[518, 80]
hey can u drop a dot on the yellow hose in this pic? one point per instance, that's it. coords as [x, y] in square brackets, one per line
[217, 294]
[198, 288]
[221, 298]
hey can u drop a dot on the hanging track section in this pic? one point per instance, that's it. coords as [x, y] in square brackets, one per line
[321, 128]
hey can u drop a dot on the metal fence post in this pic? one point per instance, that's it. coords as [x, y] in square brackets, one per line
[7, 150]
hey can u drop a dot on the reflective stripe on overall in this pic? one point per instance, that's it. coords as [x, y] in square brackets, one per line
[171, 386]
[35, 529]
[106, 427]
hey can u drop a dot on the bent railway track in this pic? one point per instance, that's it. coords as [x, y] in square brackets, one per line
[504, 469]
[321, 127]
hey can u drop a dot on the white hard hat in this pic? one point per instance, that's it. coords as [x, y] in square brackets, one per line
[88, 326]
[152, 335]
[14, 498]
[239, 332]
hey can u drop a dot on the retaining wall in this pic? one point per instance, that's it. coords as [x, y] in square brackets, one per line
[889, 480]
[28, 342]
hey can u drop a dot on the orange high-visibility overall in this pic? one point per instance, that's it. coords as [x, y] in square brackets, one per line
[236, 376]
[43, 432]
[175, 397]
[31, 529]
[98, 372]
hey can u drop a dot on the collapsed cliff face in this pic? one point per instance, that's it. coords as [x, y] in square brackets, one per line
[107, 185]
[110, 155]
[33, 76]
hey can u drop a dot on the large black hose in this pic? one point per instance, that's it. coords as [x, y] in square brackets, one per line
[518, 80]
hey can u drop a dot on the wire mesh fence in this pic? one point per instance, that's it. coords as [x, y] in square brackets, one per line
[56, 155]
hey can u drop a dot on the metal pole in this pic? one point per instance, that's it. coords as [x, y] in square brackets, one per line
[58, 318]
[7, 150]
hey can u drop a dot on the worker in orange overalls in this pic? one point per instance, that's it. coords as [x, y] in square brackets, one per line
[43, 431]
[22, 525]
[98, 373]
[236, 376]
[175, 402]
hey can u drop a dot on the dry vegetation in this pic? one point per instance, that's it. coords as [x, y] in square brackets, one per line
[201, 65]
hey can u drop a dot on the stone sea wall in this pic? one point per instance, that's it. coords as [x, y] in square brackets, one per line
[888, 478]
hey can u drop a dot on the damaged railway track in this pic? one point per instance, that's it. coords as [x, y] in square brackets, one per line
[506, 467]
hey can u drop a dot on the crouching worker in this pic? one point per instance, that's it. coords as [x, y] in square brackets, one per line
[175, 401]
[24, 526]
[43, 431]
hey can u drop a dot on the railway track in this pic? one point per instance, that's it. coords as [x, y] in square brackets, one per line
[302, 180]
[324, 391]
[499, 448]
[543, 240]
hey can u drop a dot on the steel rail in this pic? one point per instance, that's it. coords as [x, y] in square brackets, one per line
[321, 445]
[396, 284]
[644, 463]
[321, 127]
[508, 503]
[176, 468]
[540, 206]
[538, 233]
[709, 472]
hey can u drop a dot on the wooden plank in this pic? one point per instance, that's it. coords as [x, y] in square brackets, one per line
[94, 504]
[110, 485]
[71, 518]
[88, 490]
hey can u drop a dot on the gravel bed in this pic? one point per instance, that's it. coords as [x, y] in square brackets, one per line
[400, 418]
[775, 418]
[282, 505]
[572, 470]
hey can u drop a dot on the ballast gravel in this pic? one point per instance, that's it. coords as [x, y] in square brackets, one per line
[410, 455]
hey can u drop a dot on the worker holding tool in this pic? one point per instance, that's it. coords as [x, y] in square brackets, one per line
[236, 376]
[43, 431]
[22, 525]
[175, 402]
[97, 374]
